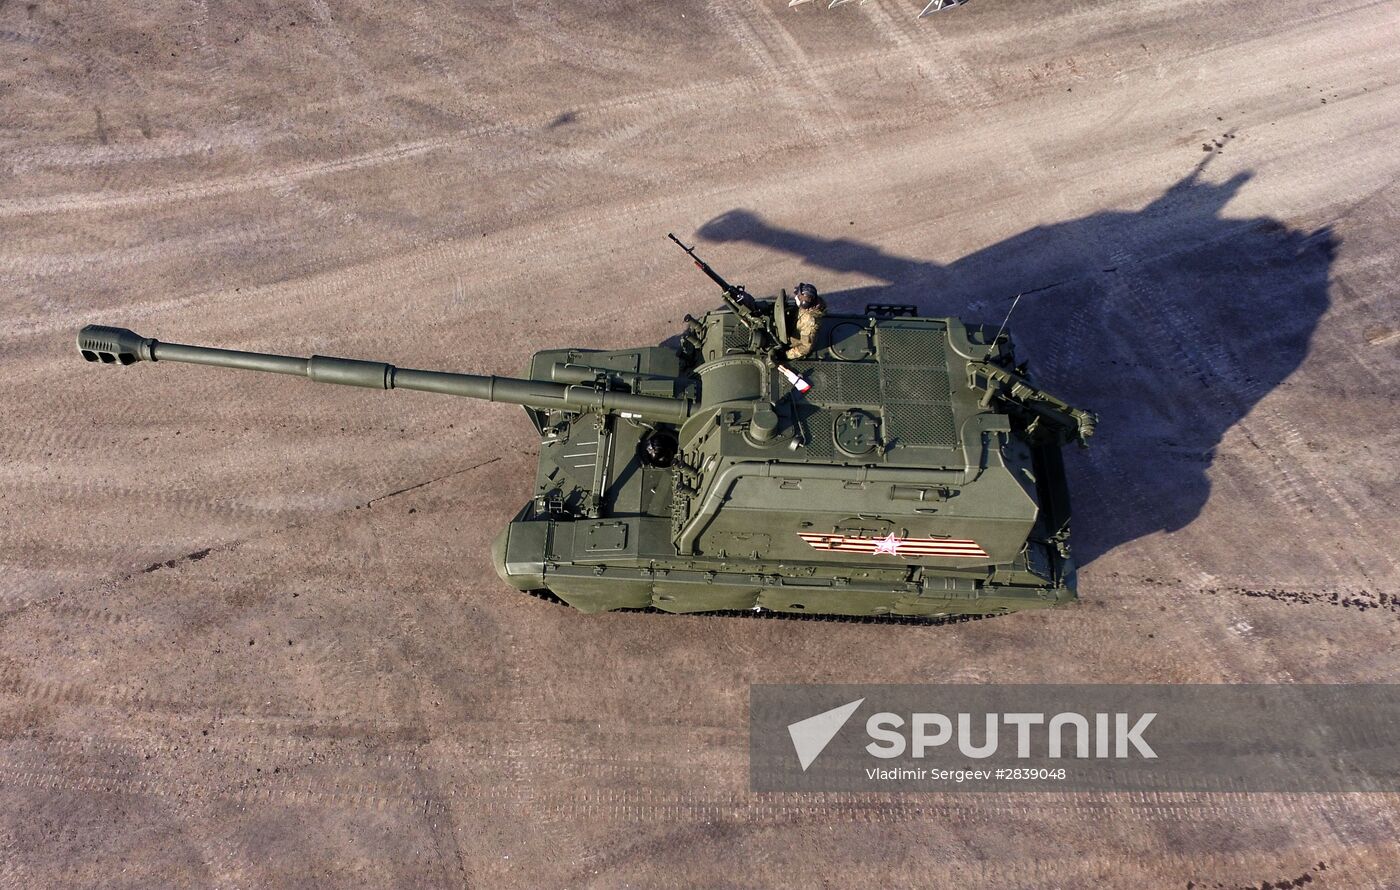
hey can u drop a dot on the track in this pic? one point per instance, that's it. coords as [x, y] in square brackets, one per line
[770, 615]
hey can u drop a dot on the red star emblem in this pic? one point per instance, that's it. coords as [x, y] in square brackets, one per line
[888, 544]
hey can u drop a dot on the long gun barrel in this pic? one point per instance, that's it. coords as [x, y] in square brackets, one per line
[110, 345]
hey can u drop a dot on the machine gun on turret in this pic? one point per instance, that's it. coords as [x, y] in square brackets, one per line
[770, 330]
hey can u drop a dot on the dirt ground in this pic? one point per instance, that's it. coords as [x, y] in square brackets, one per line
[249, 633]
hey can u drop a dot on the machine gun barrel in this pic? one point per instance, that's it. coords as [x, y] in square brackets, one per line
[705, 267]
[111, 345]
[736, 298]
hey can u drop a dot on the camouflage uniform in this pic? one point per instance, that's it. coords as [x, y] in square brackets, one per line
[810, 309]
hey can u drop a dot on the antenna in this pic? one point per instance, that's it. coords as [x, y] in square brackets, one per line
[1001, 330]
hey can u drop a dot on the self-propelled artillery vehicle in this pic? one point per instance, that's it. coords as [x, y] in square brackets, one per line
[904, 466]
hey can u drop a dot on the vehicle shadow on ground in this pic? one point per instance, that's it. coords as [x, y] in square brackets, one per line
[1171, 322]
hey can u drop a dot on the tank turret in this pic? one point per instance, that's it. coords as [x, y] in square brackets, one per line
[902, 467]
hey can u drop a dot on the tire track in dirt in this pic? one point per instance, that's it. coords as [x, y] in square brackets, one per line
[95, 201]
[775, 74]
[383, 770]
[111, 583]
[414, 643]
[1288, 477]
[1360, 599]
[51, 322]
[905, 44]
[722, 90]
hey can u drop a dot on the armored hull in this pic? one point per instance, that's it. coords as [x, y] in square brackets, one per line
[892, 487]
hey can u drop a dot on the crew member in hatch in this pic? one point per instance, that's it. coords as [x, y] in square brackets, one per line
[810, 309]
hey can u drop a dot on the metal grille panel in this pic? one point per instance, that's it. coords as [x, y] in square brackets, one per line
[915, 388]
[905, 347]
[921, 424]
[736, 336]
[915, 385]
[840, 383]
[909, 386]
[820, 445]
